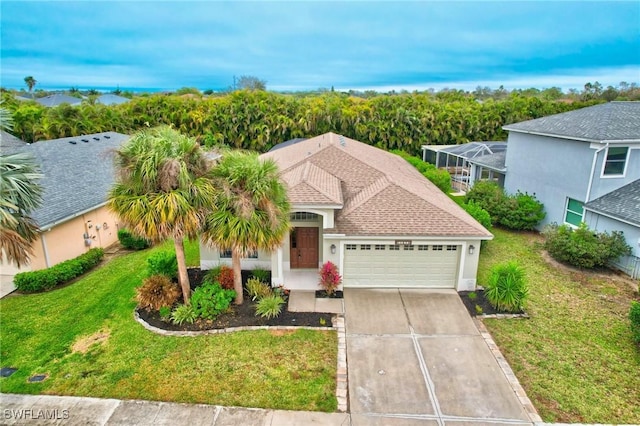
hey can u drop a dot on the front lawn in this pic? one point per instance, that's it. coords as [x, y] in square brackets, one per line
[575, 356]
[54, 333]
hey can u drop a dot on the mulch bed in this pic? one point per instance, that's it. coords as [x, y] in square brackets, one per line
[238, 315]
[480, 300]
[324, 295]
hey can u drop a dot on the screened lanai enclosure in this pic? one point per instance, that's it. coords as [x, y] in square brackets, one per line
[469, 162]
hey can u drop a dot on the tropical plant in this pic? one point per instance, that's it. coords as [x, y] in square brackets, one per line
[155, 292]
[165, 313]
[131, 242]
[251, 209]
[330, 279]
[20, 195]
[507, 289]
[31, 83]
[270, 306]
[163, 190]
[257, 290]
[209, 300]
[260, 274]
[184, 313]
[163, 263]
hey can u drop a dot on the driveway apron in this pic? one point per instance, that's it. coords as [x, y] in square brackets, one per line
[416, 357]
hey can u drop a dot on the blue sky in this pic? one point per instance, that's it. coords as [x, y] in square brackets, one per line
[305, 45]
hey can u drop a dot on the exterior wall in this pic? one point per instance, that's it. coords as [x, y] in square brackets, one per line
[67, 240]
[210, 258]
[628, 264]
[603, 184]
[551, 168]
[467, 279]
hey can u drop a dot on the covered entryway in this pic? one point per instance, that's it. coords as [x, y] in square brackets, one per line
[303, 243]
[390, 265]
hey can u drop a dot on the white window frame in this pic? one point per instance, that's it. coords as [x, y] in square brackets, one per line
[604, 163]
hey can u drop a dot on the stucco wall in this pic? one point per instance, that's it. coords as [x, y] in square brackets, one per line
[210, 258]
[66, 240]
[603, 185]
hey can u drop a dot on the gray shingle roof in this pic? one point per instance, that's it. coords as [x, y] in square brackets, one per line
[10, 144]
[613, 121]
[77, 177]
[110, 99]
[287, 143]
[58, 99]
[493, 161]
[622, 203]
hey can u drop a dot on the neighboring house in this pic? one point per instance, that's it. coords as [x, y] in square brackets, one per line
[78, 173]
[110, 99]
[58, 99]
[584, 166]
[470, 162]
[372, 214]
[9, 143]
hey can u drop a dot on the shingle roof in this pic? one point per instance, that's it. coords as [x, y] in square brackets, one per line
[382, 193]
[287, 143]
[622, 203]
[110, 99]
[9, 143]
[308, 184]
[493, 161]
[58, 99]
[77, 177]
[613, 121]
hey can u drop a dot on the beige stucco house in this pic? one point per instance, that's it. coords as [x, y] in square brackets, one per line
[78, 173]
[369, 212]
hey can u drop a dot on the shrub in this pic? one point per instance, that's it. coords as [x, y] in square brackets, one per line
[163, 263]
[46, 279]
[582, 247]
[507, 289]
[182, 314]
[157, 291]
[260, 274]
[488, 196]
[222, 275]
[257, 290]
[209, 300]
[131, 242]
[521, 211]
[330, 279]
[270, 306]
[439, 177]
[478, 213]
[634, 317]
[165, 313]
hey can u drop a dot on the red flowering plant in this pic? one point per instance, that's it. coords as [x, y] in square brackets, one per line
[330, 279]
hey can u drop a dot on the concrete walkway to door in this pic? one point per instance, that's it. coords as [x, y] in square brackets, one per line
[416, 357]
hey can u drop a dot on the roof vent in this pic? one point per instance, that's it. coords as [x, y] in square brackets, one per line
[342, 141]
[107, 137]
[96, 139]
[85, 140]
[73, 142]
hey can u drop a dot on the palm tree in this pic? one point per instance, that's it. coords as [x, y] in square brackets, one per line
[251, 209]
[163, 190]
[20, 194]
[30, 82]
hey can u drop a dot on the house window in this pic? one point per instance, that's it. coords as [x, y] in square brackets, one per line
[350, 246]
[574, 212]
[380, 246]
[436, 248]
[253, 254]
[616, 161]
[304, 216]
[394, 247]
[410, 248]
[225, 254]
[452, 248]
[365, 246]
[423, 247]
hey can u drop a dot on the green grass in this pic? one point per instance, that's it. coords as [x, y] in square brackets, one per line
[574, 356]
[294, 371]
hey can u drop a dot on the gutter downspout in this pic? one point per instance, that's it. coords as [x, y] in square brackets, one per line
[43, 240]
[593, 169]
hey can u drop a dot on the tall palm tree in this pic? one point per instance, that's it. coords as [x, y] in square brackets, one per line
[31, 83]
[20, 194]
[163, 190]
[251, 209]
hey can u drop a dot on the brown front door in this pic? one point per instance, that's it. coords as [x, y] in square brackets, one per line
[304, 248]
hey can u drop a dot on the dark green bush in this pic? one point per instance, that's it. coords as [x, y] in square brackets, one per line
[582, 247]
[439, 177]
[163, 263]
[131, 242]
[46, 279]
[634, 317]
[489, 196]
[260, 274]
[478, 213]
[507, 289]
[209, 300]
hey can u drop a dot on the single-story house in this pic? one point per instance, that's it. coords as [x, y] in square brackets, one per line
[111, 99]
[58, 99]
[469, 162]
[369, 212]
[78, 174]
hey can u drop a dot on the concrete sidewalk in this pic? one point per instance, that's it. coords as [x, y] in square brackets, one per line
[71, 410]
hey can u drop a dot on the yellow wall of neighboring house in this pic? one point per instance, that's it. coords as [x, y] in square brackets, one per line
[67, 240]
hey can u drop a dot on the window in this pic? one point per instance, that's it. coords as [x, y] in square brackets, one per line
[350, 246]
[436, 248]
[253, 255]
[409, 248]
[452, 248]
[365, 246]
[225, 254]
[380, 246]
[574, 212]
[394, 247]
[423, 248]
[616, 161]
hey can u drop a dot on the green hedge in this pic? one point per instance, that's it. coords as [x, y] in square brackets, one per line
[131, 242]
[46, 279]
[634, 317]
[439, 177]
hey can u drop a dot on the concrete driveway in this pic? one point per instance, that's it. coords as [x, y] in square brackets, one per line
[416, 357]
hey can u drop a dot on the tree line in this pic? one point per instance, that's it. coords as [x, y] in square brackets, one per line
[257, 120]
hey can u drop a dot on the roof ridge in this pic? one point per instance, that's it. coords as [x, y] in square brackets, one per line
[314, 185]
[365, 194]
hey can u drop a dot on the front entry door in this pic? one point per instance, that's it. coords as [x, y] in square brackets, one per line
[304, 248]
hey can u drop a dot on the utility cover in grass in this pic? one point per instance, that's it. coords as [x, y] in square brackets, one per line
[7, 371]
[37, 378]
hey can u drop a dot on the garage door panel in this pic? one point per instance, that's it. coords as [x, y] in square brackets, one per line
[433, 266]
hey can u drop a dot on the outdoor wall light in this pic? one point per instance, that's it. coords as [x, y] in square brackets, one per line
[471, 249]
[333, 249]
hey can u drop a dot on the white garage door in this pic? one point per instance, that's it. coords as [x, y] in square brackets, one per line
[423, 266]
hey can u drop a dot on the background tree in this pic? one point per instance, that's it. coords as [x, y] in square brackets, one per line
[251, 209]
[31, 83]
[250, 82]
[163, 190]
